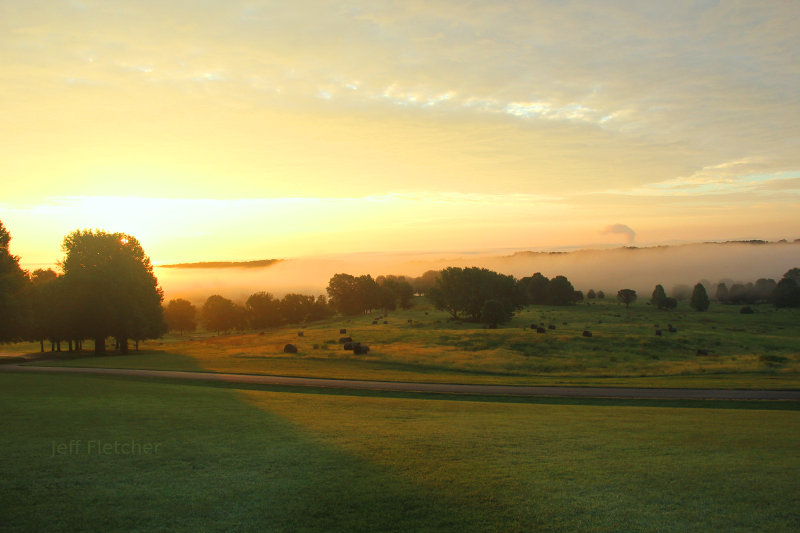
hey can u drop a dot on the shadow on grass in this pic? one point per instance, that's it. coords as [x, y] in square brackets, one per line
[221, 465]
[773, 405]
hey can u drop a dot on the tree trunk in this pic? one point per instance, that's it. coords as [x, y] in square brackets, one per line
[70, 345]
[137, 345]
[123, 345]
[99, 345]
[41, 344]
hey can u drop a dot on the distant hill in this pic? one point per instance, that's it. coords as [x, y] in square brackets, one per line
[225, 264]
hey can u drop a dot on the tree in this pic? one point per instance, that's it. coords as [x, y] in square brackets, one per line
[626, 296]
[15, 308]
[263, 310]
[462, 292]
[601, 295]
[786, 293]
[535, 289]
[591, 294]
[560, 291]
[220, 314]
[111, 287]
[700, 301]
[180, 315]
[659, 296]
[494, 312]
[295, 308]
[722, 293]
[352, 295]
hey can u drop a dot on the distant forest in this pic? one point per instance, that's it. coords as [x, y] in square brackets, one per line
[225, 264]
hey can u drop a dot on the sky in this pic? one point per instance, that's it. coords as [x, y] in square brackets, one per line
[240, 130]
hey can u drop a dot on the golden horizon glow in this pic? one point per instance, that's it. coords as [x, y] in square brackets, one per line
[249, 130]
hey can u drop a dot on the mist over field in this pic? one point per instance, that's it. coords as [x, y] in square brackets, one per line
[603, 269]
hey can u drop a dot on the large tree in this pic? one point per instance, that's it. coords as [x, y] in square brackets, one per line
[463, 292]
[112, 288]
[15, 314]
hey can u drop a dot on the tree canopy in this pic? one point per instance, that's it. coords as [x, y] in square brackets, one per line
[699, 301]
[14, 304]
[111, 286]
[463, 292]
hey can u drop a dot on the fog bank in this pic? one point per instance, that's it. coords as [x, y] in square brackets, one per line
[609, 270]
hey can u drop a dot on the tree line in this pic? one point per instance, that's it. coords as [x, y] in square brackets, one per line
[105, 289]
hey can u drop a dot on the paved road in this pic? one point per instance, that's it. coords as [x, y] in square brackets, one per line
[507, 390]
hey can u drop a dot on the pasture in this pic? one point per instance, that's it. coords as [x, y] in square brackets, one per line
[720, 348]
[246, 459]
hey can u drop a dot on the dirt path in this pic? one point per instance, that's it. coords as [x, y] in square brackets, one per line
[450, 388]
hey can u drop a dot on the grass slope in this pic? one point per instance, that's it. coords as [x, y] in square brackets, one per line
[245, 460]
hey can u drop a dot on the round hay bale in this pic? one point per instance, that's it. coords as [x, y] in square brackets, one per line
[290, 348]
[586, 333]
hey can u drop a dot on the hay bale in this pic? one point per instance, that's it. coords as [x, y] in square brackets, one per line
[586, 333]
[343, 340]
[541, 330]
[342, 331]
[551, 326]
[361, 349]
[702, 352]
[290, 348]
[348, 345]
[658, 333]
[300, 333]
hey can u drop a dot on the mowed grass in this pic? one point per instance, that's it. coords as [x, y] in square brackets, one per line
[267, 460]
[761, 350]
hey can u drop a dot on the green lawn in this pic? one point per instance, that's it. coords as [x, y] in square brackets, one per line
[250, 459]
[744, 351]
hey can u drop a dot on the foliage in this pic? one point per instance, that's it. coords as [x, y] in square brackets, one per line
[14, 303]
[700, 301]
[722, 293]
[109, 283]
[352, 295]
[626, 296]
[180, 315]
[786, 293]
[591, 295]
[494, 312]
[462, 292]
[659, 297]
[221, 314]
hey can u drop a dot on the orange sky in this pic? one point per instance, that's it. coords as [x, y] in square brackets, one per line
[248, 130]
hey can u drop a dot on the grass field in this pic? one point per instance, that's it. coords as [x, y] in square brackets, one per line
[272, 460]
[761, 350]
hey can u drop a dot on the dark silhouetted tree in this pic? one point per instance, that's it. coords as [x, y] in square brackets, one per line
[601, 295]
[722, 293]
[786, 293]
[263, 310]
[700, 301]
[626, 296]
[462, 292]
[494, 312]
[15, 308]
[658, 297]
[110, 282]
[220, 314]
[535, 289]
[560, 291]
[180, 315]
[591, 295]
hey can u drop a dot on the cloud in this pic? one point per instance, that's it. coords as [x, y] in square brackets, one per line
[621, 229]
